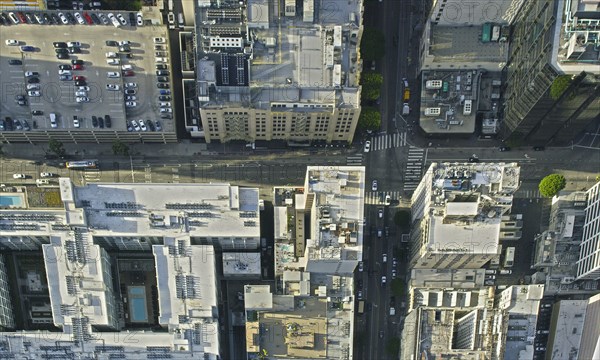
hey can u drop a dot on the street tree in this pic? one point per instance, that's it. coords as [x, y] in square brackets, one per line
[371, 86]
[372, 44]
[552, 184]
[370, 119]
[56, 147]
[119, 148]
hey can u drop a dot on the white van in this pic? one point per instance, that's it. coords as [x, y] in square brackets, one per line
[42, 182]
[53, 122]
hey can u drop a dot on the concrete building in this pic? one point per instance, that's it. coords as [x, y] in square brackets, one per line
[122, 257]
[264, 76]
[310, 313]
[574, 330]
[7, 320]
[557, 249]
[588, 265]
[516, 321]
[457, 214]
[552, 82]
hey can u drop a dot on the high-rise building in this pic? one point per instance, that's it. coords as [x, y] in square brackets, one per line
[588, 265]
[270, 72]
[457, 214]
[7, 320]
[552, 82]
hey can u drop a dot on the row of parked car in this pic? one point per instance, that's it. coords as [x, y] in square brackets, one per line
[67, 18]
[162, 73]
[9, 124]
[141, 125]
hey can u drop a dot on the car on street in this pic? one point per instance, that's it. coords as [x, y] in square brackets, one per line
[504, 148]
[367, 146]
[505, 272]
[383, 280]
[384, 258]
[539, 148]
[15, 62]
[47, 175]
[473, 159]
[27, 48]
[19, 176]
[374, 185]
[380, 213]
[361, 266]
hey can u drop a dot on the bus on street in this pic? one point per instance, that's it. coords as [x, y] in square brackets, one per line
[83, 164]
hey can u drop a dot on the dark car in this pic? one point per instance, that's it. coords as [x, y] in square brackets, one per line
[75, 50]
[132, 19]
[111, 43]
[70, 18]
[62, 56]
[33, 80]
[101, 122]
[124, 48]
[128, 73]
[60, 45]
[392, 301]
[473, 160]
[2, 126]
[107, 121]
[94, 121]
[166, 116]
[504, 148]
[162, 72]
[129, 126]
[539, 148]
[37, 112]
[47, 18]
[80, 83]
[55, 19]
[96, 19]
[129, 55]
[164, 98]
[161, 67]
[30, 18]
[381, 334]
[15, 62]
[8, 124]
[77, 62]
[61, 51]
[64, 67]
[150, 125]
[162, 85]
[163, 79]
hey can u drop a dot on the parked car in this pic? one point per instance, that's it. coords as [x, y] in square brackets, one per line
[94, 121]
[164, 98]
[113, 74]
[27, 48]
[107, 121]
[112, 87]
[130, 104]
[64, 67]
[367, 146]
[15, 62]
[19, 176]
[77, 62]
[12, 42]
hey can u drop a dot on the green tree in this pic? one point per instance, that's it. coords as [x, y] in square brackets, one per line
[371, 85]
[131, 5]
[56, 147]
[372, 44]
[397, 287]
[120, 148]
[552, 184]
[559, 85]
[370, 119]
[402, 219]
[393, 347]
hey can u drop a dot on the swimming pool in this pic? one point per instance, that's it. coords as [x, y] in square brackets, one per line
[137, 304]
[11, 201]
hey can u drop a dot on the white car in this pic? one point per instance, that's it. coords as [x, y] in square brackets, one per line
[47, 175]
[111, 54]
[374, 185]
[143, 125]
[161, 60]
[140, 19]
[82, 99]
[73, 44]
[34, 93]
[122, 19]
[83, 88]
[124, 42]
[159, 40]
[135, 125]
[81, 93]
[114, 20]
[131, 85]
[126, 67]
[112, 87]
[63, 18]
[130, 98]
[76, 122]
[31, 73]
[64, 72]
[367, 146]
[19, 176]
[12, 42]
[166, 110]
[113, 74]
[165, 104]
[79, 18]
[113, 61]
[33, 86]
[130, 104]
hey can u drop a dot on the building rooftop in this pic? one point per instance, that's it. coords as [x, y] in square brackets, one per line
[450, 101]
[447, 278]
[462, 45]
[466, 205]
[241, 264]
[253, 55]
[564, 342]
[576, 37]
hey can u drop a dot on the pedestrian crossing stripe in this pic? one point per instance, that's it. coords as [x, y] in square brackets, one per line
[378, 197]
[389, 141]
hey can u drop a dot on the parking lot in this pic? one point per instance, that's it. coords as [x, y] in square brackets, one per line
[59, 97]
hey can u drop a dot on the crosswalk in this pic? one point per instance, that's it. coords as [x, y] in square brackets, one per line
[354, 160]
[91, 175]
[388, 141]
[414, 168]
[378, 197]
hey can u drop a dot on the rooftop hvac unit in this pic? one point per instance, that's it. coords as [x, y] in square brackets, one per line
[433, 111]
[433, 84]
